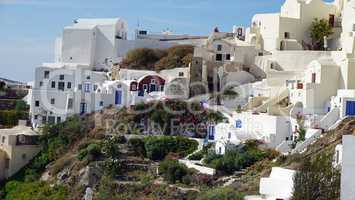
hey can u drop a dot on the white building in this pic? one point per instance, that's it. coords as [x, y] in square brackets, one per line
[91, 42]
[345, 101]
[269, 129]
[17, 148]
[344, 157]
[226, 60]
[289, 29]
[279, 185]
[66, 90]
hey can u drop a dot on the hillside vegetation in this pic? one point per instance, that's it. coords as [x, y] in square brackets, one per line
[157, 59]
[86, 152]
[91, 152]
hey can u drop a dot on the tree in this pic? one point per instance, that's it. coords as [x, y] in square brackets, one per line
[20, 106]
[317, 179]
[319, 30]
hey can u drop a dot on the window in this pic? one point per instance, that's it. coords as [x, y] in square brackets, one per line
[61, 77]
[36, 117]
[52, 101]
[88, 77]
[219, 47]
[71, 58]
[181, 74]
[61, 86]
[287, 35]
[53, 84]
[59, 119]
[3, 139]
[218, 57]
[40, 83]
[229, 135]
[44, 119]
[46, 74]
[70, 103]
[162, 88]
[228, 57]
[87, 87]
[332, 20]
[134, 87]
[101, 103]
[69, 85]
[153, 81]
[95, 87]
[313, 77]
[37, 103]
[51, 120]
[80, 87]
[145, 87]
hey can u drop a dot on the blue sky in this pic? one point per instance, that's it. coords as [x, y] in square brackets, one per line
[29, 27]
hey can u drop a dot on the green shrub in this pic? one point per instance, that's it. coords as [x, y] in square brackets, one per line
[90, 153]
[199, 155]
[34, 191]
[196, 156]
[173, 171]
[221, 194]
[238, 158]
[11, 117]
[159, 147]
[136, 145]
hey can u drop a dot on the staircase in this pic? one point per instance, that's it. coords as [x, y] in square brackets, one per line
[272, 101]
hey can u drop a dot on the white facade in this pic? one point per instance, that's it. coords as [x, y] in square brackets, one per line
[279, 185]
[271, 130]
[91, 42]
[344, 100]
[61, 92]
[289, 29]
[319, 84]
[347, 168]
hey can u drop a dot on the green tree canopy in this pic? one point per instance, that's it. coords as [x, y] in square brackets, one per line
[320, 29]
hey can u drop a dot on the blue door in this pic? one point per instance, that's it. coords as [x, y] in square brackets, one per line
[83, 108]
[211, 132]
[350, 108]
[118, 97]
[153, 88]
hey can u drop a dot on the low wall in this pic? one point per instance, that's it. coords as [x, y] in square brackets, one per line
[303, 146]
[201, 169]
